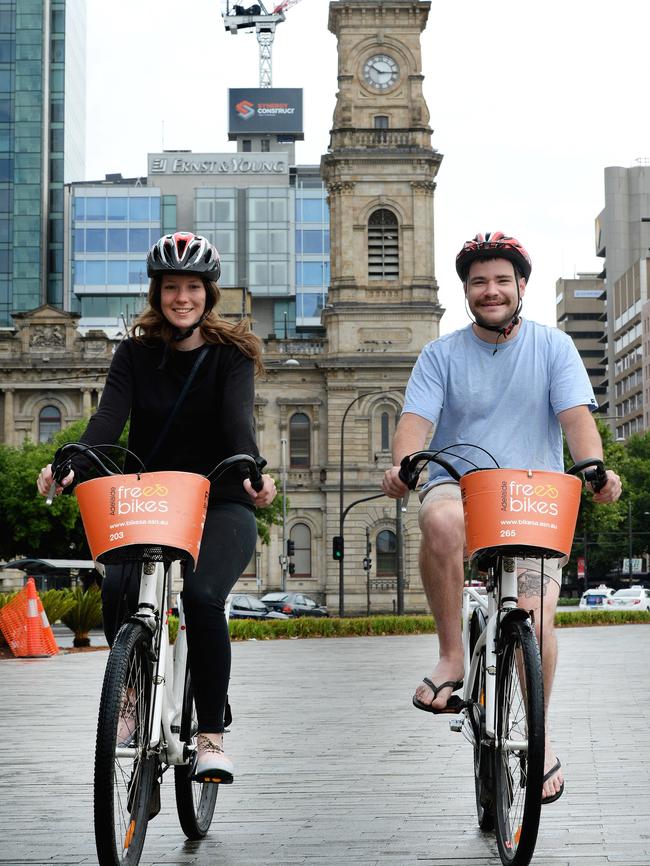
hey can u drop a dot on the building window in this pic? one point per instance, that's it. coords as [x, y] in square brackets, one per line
[247, 145]
[265, 145]
[299, 451]
[301, 537]
[385, 431]
[49, 423]
[383, 246]
[386, 553]
[381, 121]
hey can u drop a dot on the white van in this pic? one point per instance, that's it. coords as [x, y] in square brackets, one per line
[595, 598]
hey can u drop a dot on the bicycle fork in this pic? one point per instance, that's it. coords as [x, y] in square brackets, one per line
[496, 607]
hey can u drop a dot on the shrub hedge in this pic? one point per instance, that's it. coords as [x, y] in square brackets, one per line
[245, 629]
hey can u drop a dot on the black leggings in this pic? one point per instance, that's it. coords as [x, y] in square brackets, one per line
[227, 545]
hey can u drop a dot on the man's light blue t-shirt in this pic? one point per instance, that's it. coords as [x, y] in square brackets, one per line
[506, 402]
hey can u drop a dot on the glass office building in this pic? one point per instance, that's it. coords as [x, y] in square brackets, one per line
[112, 228]
[42, 144]
[269, 221]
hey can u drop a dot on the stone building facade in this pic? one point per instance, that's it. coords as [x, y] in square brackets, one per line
[323, 401]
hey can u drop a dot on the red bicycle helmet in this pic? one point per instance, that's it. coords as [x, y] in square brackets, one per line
[490, 246]
[184, 252]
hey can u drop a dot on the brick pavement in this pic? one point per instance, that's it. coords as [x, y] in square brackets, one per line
[334, 766]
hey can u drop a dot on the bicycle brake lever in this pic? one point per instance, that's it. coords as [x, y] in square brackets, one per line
[405, 501]
[52, 493]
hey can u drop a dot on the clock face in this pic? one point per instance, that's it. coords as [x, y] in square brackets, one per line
[380, 71]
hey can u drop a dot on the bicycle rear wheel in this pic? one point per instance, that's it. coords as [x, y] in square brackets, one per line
[195, 801]
[483, 762]
[124, 773]
[519, 752]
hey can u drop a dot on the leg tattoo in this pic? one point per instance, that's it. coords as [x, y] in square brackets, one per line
[530, 583]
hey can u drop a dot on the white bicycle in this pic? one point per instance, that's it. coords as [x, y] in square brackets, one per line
[508, 514]
[147, 717]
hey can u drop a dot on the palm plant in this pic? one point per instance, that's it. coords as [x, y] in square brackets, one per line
[84, 615]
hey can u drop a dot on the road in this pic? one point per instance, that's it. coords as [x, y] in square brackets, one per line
[333, 764]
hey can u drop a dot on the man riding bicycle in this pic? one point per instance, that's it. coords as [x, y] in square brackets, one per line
[511, 386]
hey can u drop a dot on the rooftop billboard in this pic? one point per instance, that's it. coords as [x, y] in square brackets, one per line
[262, 110]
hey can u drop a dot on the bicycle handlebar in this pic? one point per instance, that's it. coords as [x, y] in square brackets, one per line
[412, 465]
[62, 465]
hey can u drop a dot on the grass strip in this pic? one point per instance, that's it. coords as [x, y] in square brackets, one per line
[302, 627]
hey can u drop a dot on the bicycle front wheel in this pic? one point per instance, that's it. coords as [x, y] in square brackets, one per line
[124, 773]
[195, 801]
[519, 752]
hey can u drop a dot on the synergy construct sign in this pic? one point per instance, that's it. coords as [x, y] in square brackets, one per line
[265, 110]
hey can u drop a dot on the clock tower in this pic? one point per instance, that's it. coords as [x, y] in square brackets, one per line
[380, 174]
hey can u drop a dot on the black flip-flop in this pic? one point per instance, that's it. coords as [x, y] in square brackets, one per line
[546, 800]
[454, 704]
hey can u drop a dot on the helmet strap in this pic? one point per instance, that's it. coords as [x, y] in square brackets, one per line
[179, 335]
[502, 330]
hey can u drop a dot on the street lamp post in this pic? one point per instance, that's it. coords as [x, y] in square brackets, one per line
[283, 554]
[629, 540]
[341, 489]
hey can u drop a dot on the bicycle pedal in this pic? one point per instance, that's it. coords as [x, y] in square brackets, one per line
[456, 725]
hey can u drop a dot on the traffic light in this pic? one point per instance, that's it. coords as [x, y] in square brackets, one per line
[292, 568]
[291, 547]
[337, 547]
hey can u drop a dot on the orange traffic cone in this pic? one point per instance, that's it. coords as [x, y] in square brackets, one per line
[25, 625]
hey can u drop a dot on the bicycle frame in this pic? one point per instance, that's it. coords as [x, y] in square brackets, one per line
[169, 665]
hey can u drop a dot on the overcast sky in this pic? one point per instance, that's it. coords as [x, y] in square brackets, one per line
[529, 102]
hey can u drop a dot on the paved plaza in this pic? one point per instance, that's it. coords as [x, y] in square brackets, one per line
[333, 764]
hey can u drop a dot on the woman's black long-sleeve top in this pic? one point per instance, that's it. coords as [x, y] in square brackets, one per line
[215, 420]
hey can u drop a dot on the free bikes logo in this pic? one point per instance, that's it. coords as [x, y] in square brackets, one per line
[245, 109]
[518, 498]
[148, 499]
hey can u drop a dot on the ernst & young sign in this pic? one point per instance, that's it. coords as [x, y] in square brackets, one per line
[218, 163]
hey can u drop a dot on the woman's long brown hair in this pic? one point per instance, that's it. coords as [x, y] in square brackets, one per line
[152, 325]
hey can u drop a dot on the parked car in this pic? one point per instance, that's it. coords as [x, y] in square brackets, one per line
[294, 604]
[595, 598]
[241, 606]
[632, 598]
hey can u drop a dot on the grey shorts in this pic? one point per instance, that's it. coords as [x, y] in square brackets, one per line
[451, 490]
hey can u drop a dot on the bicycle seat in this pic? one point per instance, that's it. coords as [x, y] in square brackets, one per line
[520, 512]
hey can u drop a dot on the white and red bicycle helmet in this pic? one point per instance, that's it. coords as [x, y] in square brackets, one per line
[493, 245]
[184, 252]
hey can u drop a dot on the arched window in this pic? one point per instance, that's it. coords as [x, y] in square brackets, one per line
[49, 423]
[383, 246]
[386, 553]
[299, 451]
[301, 537]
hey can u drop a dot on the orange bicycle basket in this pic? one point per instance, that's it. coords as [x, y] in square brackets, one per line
[520, 512]
[153, 516]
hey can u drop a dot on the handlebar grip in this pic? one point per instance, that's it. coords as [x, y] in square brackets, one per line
[257, 482]
[405, 474]
[597, 477]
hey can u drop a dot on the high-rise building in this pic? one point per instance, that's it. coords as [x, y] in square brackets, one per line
[580, 314]
[42, 144]
[623, 240]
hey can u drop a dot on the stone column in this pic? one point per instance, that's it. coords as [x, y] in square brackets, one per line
[9, 420]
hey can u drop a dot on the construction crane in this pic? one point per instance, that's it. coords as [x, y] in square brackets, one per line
[256, 17]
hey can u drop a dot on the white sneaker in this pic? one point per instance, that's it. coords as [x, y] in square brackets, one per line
[210, 762]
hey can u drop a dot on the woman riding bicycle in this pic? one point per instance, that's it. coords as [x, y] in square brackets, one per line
[180, 336]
